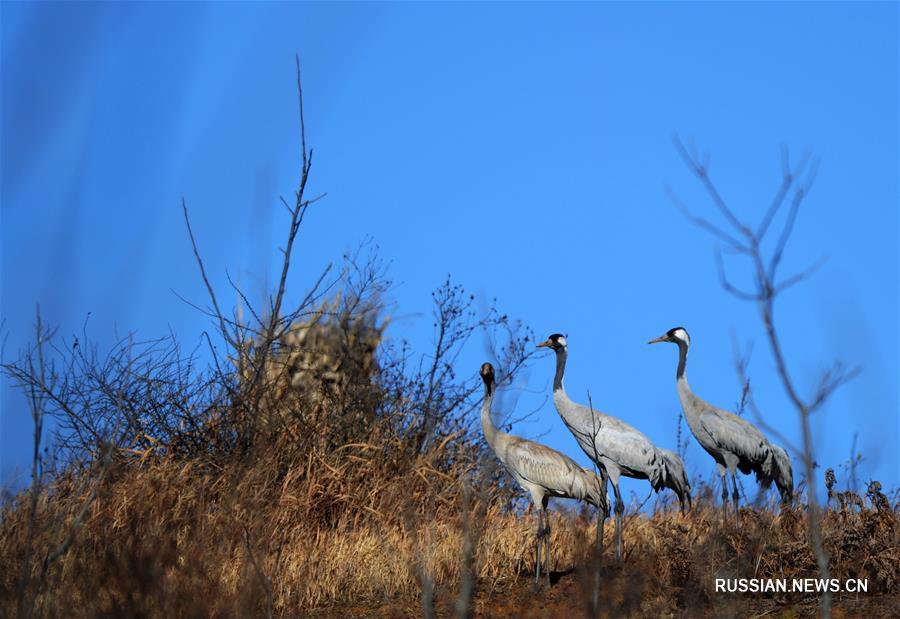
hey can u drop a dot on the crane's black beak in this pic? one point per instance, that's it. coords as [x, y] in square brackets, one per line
[661, 338]
[544, 344]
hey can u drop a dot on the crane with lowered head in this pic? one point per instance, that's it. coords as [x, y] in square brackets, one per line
[542, 472]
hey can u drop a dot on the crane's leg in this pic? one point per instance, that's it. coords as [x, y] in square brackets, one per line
[547, 549]
[735, 497]
[602, 515]
[540, 531]
[724, 492]
[620, 509]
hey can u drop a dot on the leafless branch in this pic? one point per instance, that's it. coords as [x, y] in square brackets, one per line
[830, 381]
[788, 178]
[36, 402]
[798, 277]
[799, 194]
[209, 288]
[728, 286]
[705, 224]
[700, 168]
[766, 291]
[302, 123]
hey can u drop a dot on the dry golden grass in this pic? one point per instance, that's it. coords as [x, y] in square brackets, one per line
[171, 538]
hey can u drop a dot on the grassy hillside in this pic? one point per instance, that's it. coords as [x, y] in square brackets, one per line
[353, 531]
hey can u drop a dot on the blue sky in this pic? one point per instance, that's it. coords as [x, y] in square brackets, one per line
[522, 148]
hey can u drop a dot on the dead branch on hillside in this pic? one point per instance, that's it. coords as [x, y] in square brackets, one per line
[251, 345]
[767, 284]
[36, 405]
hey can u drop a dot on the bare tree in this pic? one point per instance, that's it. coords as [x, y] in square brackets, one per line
[36, 404]
[38, 378]
[766, 285]
[250, 344]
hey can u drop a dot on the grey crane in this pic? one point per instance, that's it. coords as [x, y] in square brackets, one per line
[732, 441]
[615, 446]
[542, 472]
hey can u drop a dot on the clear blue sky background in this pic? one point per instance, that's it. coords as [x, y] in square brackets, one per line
[522, 148]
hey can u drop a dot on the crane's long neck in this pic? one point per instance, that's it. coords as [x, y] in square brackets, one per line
[487, 422]
[560, 397]
[684, 389]
[560, 370]
[578, 419]
[682, 362]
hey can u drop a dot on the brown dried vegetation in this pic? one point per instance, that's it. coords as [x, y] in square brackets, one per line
[317, 467]
[170, 537]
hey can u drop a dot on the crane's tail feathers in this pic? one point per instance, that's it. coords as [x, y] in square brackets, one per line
[673, 475]
[785, 478]
[777, 467]
[596, 491]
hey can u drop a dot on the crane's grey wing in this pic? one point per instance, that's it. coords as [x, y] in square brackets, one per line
[735, 435]
[556, 472]
[627, 446]
[611, 442]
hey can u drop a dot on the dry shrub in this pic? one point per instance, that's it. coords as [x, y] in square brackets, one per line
[254, 492]
[170, 538]
[684, 555]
